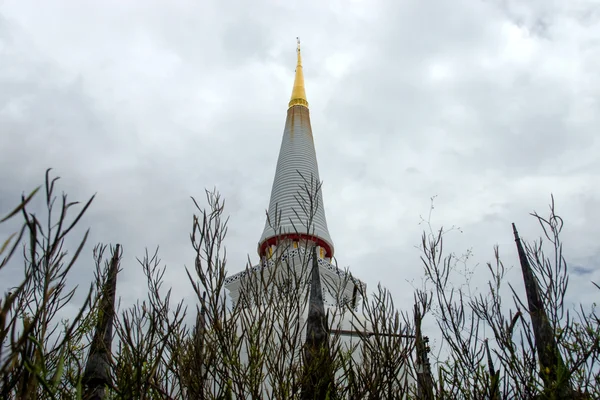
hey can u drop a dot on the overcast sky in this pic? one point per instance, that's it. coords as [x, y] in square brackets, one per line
[489, 105]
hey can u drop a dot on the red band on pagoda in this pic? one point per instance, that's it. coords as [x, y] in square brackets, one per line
[295, 237]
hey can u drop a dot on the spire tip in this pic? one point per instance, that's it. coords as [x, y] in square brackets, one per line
[298, 93]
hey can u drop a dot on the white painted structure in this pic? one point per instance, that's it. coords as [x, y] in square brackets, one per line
[296, 223]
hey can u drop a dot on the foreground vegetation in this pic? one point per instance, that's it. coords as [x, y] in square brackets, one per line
[494, 346]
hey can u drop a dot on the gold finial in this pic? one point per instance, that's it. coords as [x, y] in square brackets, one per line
[298, 93]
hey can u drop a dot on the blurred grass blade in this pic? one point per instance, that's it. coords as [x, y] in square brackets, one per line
[59, 369]
[20, 206]
[6, 243]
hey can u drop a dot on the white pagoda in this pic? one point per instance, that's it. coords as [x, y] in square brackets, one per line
[314, 300]
[296, 219]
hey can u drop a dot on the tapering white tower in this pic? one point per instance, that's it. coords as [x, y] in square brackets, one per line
[297, 168]
[296, 216]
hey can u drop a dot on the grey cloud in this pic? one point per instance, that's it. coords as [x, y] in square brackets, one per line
[580, 270]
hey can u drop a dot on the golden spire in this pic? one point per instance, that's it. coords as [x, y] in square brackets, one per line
[298, 93]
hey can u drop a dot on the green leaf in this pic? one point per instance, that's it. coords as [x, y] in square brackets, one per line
[59, 369]
[78, 391]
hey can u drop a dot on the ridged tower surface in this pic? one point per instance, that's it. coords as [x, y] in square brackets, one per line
[296, 165]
